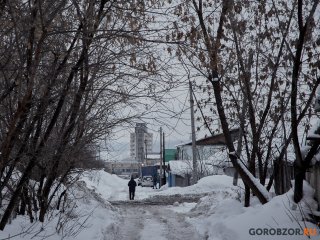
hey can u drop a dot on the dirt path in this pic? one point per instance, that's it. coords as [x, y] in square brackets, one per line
[145, 221]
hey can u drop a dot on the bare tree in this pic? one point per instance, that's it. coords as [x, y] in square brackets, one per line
[205, 45]
[305, 27]
[70, 72]
[244, 52]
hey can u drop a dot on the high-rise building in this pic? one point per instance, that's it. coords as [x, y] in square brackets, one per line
[140, 143]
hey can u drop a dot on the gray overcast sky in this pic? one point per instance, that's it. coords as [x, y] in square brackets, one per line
[173, 116]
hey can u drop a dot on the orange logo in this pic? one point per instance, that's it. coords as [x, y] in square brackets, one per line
[310, 232]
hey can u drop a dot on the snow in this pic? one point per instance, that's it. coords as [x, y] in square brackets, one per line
[314, 136]
[153, 156]
[113, 188]
[312, 132]
[183, 207]
[218, 214]
[110, 186]
[205, 185]
[87, 217]
[233, 154]
[180, 167]
[157, 230]
[228, 219]
[256, 181]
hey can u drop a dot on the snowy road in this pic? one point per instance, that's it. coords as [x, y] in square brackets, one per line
[149, 221]
[161, 200]
[208, 210]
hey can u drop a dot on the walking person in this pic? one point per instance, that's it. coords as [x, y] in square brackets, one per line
[155, 180]
[132, 188]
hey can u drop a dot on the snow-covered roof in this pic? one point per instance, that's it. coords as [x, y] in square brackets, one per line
[217, 139]
[153, 156]
[180, 167]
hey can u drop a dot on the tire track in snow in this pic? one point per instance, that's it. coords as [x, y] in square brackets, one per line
[177, 228]
[145, 222]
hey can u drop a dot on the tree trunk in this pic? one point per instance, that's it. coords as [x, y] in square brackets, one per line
[16, 194]
[60, 199]
[246, 195]
[298, 184]
[23, 204]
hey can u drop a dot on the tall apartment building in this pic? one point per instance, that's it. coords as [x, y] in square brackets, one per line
[140, 143]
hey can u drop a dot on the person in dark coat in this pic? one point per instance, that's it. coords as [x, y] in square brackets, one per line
[132, 188]
[155, 181]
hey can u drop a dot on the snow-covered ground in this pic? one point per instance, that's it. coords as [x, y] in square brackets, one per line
[218, 215]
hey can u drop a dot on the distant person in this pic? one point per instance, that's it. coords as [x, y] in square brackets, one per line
[132, 188]
[155, 181]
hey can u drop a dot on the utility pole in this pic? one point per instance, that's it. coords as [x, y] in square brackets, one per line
[164, 160]
[161, 156]
[145, 145]
[193, 134]
[99, 153]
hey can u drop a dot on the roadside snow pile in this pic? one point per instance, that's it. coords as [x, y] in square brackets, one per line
[205, 185]
[86, 216]
[208, 204]
[223, 217]
[110, 186]
[113, 188]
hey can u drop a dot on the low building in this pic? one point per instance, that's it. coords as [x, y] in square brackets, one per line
[123, 168]
[153, 159]
[205, 146]
[212, 159]
[179, 172]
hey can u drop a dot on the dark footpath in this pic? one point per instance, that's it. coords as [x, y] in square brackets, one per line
[162, 200]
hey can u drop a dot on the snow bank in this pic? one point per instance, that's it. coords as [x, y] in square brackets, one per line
[205, 185]
[113, 188]
[217, 216]
[225, 217]
[86, 216]
[109, 186]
